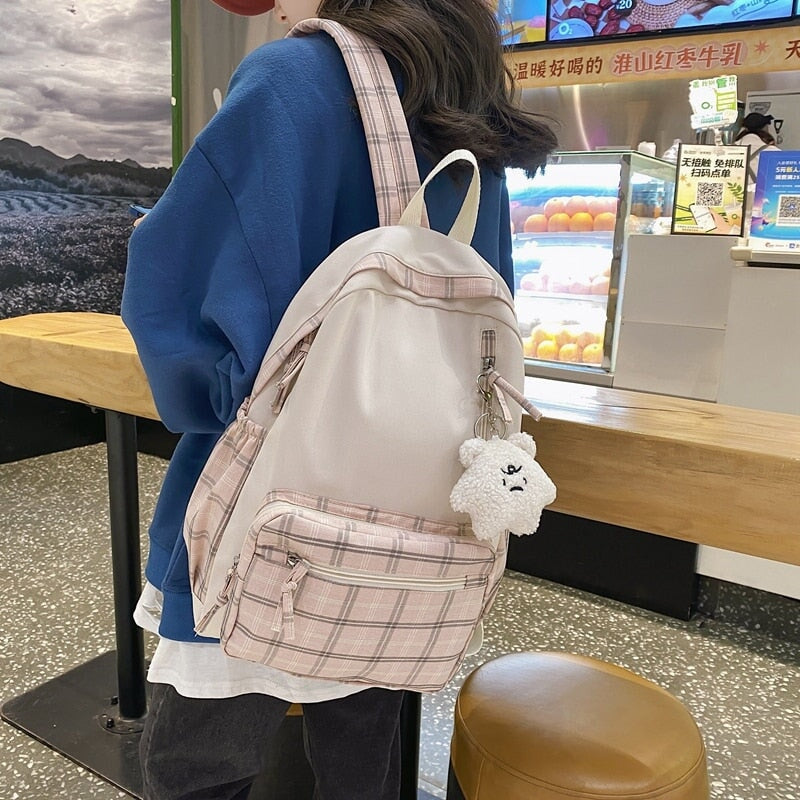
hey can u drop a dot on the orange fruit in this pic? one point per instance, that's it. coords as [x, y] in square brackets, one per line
[581, 221]
[547, 349]
[585, 338]
[600, 285]
[605, 221]
[569, 352]
[555, 205]
[559, 222]
[576, 205]
[592, 353]
[543, 333]
[567, 334]
[535, 223]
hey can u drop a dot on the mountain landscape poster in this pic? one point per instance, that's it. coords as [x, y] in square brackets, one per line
[84, 133]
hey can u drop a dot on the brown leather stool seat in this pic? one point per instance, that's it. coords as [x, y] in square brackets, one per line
[548, 726]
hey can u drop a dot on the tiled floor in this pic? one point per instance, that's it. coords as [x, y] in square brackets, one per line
[742, 686]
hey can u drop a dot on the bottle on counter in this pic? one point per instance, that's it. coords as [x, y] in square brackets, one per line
[671, 153]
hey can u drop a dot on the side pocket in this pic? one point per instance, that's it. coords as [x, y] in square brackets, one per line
[215, 496]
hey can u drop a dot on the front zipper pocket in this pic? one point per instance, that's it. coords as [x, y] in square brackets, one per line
[284, 612]
[345, 592]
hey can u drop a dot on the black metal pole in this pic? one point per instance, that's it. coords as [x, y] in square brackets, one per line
[410, 717]
[123, 490]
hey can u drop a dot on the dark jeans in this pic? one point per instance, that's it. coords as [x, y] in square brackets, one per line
[194, 749]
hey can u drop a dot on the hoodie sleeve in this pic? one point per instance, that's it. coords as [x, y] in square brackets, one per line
[194, 301]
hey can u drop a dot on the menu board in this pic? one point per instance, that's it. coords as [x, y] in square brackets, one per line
[584, 19]
[775, 221]
[521, 21]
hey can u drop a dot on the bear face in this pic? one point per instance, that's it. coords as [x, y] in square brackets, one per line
[511, 481]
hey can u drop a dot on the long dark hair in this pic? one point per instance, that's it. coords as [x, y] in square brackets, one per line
[456, 87]
[765, 136]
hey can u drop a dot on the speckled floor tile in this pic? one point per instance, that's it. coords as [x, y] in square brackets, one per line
[741, 686]
[56, 607]
[749, 608]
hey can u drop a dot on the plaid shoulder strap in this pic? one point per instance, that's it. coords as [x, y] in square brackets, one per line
[394, 167]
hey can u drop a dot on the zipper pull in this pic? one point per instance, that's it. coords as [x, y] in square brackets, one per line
[284, 611]
[290, 373]
[498, 382]
[221, 599]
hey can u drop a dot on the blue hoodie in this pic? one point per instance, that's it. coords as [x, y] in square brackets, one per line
[277, 180]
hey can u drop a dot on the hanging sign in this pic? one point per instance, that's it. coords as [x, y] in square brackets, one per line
[775, 221]
[713, 102]
[710, 190]
[699, 55]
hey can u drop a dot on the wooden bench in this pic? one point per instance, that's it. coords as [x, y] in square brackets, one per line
[712, 474]
[716, 475]
[82, 356]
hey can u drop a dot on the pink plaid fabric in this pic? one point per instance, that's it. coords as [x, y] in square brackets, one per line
[351, 593]
[215, 495]
[394, 166]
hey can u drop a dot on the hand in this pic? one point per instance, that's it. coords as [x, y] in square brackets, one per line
[721, 224]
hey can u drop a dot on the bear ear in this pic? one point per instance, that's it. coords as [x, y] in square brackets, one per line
[524, 442]
[470, 450]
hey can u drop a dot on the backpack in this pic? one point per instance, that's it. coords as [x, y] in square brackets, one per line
[320, 536]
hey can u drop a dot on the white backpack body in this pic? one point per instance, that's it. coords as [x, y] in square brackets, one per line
[368, 389]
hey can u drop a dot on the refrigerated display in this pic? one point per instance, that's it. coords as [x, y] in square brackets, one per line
[570, 226]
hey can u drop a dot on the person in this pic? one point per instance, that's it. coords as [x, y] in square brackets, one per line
[279, 178]
[754, 131]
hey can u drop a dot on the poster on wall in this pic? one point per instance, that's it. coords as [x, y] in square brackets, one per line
[710, 190]
[585, 19]
[85, 132]
[775, 220]
[521, 21]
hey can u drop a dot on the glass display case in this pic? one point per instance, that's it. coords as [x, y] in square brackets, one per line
[570, 226]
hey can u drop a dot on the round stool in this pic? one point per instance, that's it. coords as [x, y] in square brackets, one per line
[549, 726]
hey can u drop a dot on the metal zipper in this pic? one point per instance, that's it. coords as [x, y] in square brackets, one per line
[223, 596]
[357, 578]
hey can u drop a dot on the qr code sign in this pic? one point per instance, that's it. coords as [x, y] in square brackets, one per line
[709, 194]
[788, 210]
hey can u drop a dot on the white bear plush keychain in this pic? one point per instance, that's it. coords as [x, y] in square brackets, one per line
[503, 487]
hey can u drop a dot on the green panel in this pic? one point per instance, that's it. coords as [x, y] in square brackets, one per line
[177, 90]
